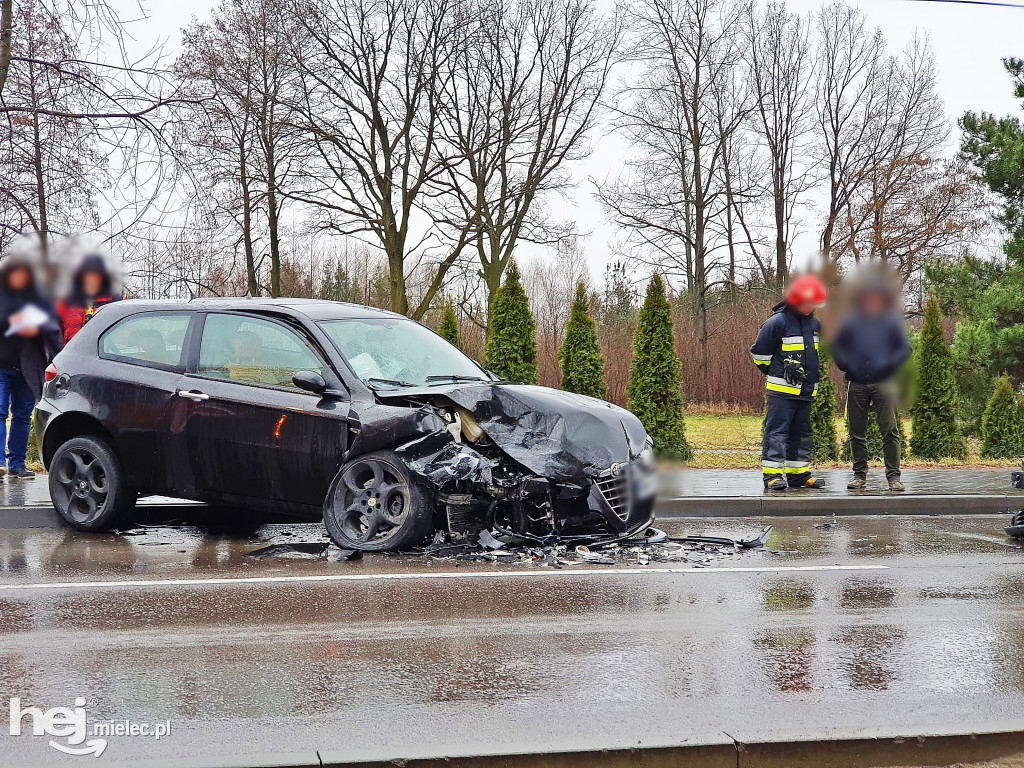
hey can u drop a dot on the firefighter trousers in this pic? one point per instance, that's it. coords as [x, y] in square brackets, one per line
[786, 448]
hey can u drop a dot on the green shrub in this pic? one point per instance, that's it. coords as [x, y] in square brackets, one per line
[1002, 429]
[580, 356]
[449, 329]
[935, 434]
[655, 389]
[511, 350]
[823, 415]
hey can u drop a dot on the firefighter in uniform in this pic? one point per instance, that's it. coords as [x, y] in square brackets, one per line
[786, 351]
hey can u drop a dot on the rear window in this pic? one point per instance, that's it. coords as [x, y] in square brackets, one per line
[152, 338]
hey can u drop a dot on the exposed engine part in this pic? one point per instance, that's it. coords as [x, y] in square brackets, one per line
[470, 428]
[529, 464]
[459, 508]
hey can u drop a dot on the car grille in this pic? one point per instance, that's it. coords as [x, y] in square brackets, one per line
[617, 490]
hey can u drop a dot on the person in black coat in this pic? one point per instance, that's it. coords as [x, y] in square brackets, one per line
[870, 346]
[30, 335]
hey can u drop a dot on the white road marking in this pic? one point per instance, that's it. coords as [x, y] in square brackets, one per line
[440, 575]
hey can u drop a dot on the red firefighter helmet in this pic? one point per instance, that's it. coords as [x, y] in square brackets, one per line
[806, 289]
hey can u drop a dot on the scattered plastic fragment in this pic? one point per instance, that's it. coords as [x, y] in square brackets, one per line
[295, 550]
[583, 552]
[339, 555]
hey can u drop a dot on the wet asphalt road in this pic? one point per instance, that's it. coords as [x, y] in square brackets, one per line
[874, 626]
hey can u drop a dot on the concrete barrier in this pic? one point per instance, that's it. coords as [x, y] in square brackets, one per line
[937, 750]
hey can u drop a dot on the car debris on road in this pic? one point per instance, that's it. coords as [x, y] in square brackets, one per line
[487, 546]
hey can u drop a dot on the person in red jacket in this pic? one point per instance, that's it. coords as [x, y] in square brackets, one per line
[90, 290]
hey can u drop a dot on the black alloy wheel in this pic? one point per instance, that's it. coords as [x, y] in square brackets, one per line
[374, 505]
[87, 485]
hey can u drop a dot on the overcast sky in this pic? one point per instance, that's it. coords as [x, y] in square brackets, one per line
[969, 43]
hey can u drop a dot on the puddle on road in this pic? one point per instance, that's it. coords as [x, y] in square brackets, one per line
[178, 548]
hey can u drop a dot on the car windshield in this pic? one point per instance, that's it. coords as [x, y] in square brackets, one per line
[393, 352]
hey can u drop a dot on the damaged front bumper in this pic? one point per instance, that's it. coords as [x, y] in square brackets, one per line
[475, 483]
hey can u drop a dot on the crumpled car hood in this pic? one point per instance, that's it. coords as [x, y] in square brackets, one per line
[560, 435]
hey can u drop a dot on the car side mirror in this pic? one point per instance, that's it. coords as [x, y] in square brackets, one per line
[310, 381]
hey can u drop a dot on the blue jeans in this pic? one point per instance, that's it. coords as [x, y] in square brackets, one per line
[16, 398]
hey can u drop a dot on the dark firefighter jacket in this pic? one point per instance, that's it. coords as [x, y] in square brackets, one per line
[787, 333]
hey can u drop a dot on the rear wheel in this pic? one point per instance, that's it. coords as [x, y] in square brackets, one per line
[375, 506]
[87, 485]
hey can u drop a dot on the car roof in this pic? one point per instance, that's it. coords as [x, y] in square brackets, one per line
[314, 309]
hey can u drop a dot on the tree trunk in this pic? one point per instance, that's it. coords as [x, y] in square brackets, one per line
[42, 216]
[272, 218]
[6, 31]
[781, 254]
[250, 261]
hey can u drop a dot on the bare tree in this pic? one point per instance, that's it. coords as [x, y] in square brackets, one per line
[372, 74]
[853, 69]
[902, 188]
[237, 68]
[98, 116]
[528, 77]
[680, 114]
[51, 168]
[782, 77]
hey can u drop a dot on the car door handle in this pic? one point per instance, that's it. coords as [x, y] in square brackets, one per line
[192, 394]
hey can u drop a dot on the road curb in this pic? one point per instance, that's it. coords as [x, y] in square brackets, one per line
[30, 517]
[695, 506]
[782, 505]
[937, 750]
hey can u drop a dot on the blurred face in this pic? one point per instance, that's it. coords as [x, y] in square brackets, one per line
[805, 308]
[873, 303]
[19, 279]
[92, 283]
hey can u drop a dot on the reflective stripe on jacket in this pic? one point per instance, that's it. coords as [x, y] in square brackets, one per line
[788, 334]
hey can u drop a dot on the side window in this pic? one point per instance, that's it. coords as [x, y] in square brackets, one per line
[247, 349]
[150, 338]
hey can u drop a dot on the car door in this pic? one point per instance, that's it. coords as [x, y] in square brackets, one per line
[250, 431]
[144, 362]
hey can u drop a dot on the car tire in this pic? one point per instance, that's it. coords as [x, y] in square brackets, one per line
[87, 485]
[375, 505]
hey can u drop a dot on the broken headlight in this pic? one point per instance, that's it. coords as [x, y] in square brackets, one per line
[646, 457]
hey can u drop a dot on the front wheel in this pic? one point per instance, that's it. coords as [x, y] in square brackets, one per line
[374, 505]
[87, 485]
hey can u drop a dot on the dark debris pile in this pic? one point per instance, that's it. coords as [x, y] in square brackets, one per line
[503, 548]
[654, 547]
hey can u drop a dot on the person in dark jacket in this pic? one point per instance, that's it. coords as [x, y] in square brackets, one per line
[786, 351]
[870, 346]
[91, 288]
[30, 336]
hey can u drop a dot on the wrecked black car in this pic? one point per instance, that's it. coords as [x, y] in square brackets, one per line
[302, 406]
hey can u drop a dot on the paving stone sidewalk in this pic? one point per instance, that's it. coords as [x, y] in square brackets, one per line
[919, 482]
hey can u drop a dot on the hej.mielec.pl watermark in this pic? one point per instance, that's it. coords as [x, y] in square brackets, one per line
[72, 732]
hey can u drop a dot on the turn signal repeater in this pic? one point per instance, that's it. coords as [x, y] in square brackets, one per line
[50, 373]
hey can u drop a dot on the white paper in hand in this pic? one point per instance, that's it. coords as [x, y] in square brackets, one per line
[30, 316]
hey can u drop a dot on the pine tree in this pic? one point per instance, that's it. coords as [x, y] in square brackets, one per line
[1001, 426]
[935, 434]
[580, 356]
[511, 350]
[655, 389]
[823, 415]
[449, 329]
